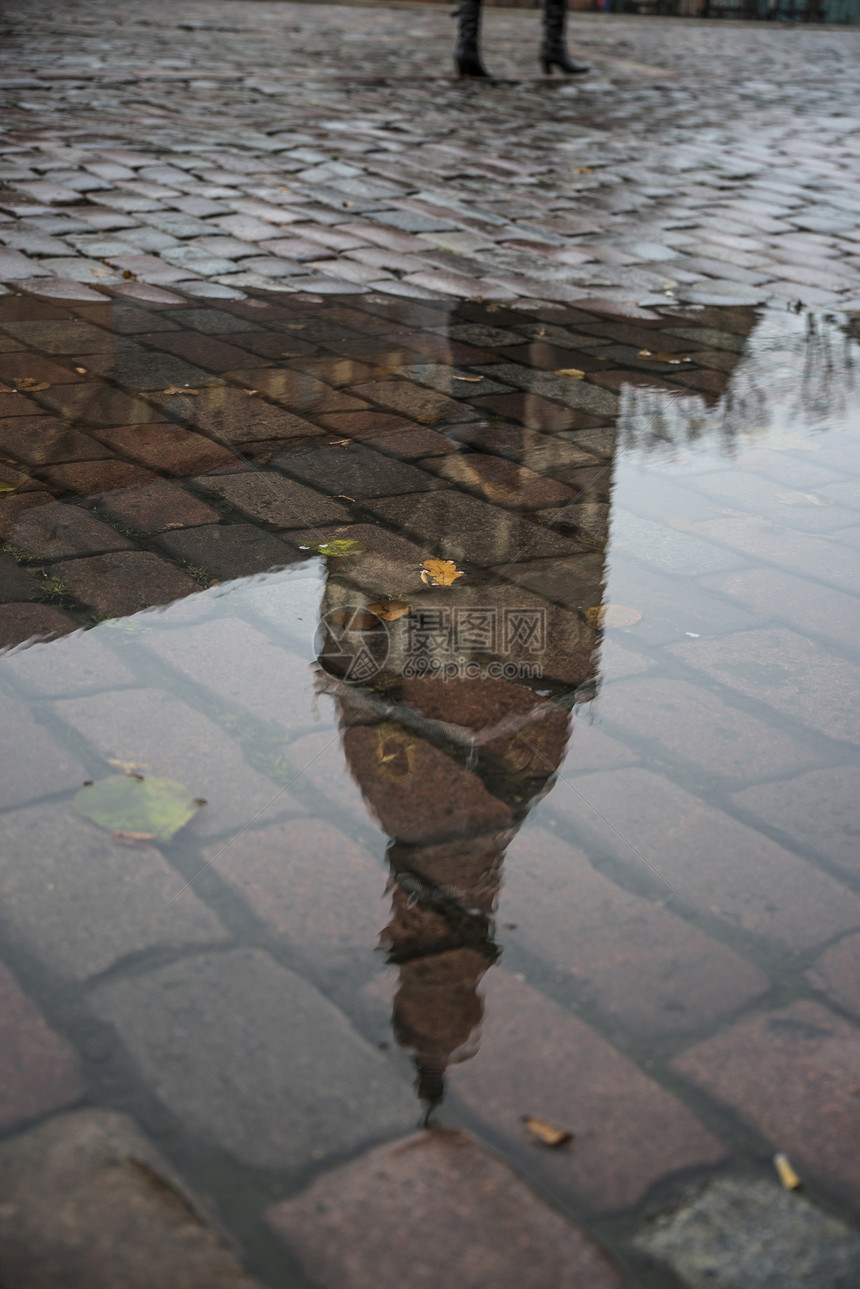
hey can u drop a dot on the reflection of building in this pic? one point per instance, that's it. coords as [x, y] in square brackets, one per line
[453, 740]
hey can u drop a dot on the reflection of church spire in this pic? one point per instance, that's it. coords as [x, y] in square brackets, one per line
[451, 808]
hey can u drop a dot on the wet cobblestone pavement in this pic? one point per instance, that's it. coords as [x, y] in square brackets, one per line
[502, 653]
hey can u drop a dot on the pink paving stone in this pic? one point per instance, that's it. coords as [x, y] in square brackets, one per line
[793, 1075]
[817, 810]
[837, 973]
[722, 867]
[39, 1071]
[631, 958]
[537, 1058]
[436, 1210]
[313, 885]
[798, 677]
[696, 727]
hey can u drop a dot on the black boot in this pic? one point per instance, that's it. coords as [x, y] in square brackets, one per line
[554, 49]
[467, 57]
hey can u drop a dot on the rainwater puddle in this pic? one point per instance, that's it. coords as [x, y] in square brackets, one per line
[515, 658]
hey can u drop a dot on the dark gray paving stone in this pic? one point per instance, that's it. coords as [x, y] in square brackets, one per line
[267, 496]
[254, 1059]
[87, 1202]
[749, 1234]
[356, 471]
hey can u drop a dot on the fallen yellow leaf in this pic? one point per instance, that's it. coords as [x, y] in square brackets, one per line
[440, 572]
[583, 170]
[29, 383]
[572, 373]
[546, 1133]
[472, 380]
[390, 610]
[178, 389]
[786, 1173]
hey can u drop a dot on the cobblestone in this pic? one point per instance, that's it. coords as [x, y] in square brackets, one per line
[127, 1221]
[497, 1231]
[39, 1070]
[255, 1059]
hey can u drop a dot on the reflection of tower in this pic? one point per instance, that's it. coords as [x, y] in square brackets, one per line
[456, 737]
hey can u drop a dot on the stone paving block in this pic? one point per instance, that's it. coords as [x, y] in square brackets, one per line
[356, 470]
[816, 810]
[97, 404]
[279, 686]
[318, 760]
[41, 440]
[76, 664]
[802, 553]
[156, 508]
[168, 447]
[205, 351]
[126, 581]
[226, 551]
[232, 416]
[695, 727]
[252, 1058]
[745, 1233]
[22, 622]
[389, 434]
[311, 884]
[56, 531]
[271, 498]
[28, 366]
[536, 412]
[426, 406]
[503, 482]
[81, 901]
[536, 1058]
[775, 666]
[299, 391]
[757, 886]
[837, 973]
[165, 736]
[808, 607]
[471, 1221]
[39, 1070]
[466, 528]
[16, 583]
[40, 766]
[810, 1054]
[127, 1223]
[88, 478]
[636, 962]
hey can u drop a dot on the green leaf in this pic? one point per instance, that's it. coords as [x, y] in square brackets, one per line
[146, 809]
[340, 548]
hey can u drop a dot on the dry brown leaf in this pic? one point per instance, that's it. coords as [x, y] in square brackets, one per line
[390, 610]
[583, 170]
[786, 1173]
[250, 391]
[29, 384]
[546, 1133]
[440, 572]
[128, 767]
[129, 276]
[178, 389]
[82, 371]
[129, 838]
[572, 373]
[612, 615]
[472, 380]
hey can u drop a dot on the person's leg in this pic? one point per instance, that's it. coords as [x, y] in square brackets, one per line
[468, 53]
[554, 48]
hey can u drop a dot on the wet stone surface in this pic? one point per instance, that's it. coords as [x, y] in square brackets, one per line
[439, 503]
